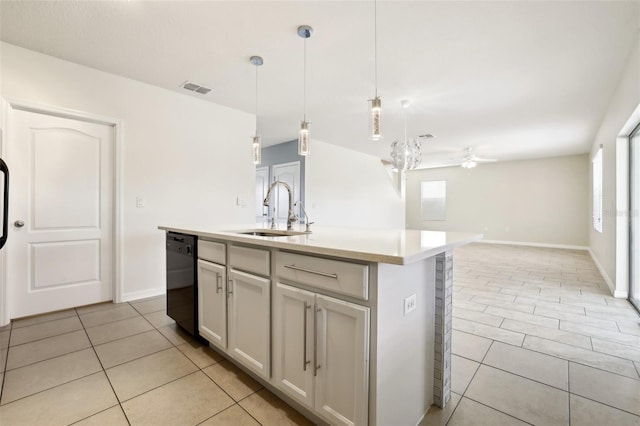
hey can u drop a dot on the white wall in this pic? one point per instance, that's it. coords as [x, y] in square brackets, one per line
[541, 201]
[348, 188]
[623, 103]
[189, 159]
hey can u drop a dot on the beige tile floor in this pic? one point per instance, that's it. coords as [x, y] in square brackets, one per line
[124, 364]
[537, 340]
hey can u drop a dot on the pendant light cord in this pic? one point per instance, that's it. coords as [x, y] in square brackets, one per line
[375, 45]
[256, 101]
[304, 84]
[405, 125]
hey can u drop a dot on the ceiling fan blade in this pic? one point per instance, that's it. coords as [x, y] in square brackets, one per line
[437, 165]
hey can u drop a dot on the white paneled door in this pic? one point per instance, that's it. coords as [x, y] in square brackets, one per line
[60, 250]
[288, 173]
[262, 185]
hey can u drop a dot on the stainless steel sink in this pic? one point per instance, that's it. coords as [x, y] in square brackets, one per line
[270, 232]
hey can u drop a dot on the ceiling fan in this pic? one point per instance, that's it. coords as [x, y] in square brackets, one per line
[471, 160]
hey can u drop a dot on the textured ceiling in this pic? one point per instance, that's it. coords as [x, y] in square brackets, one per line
[512, 80]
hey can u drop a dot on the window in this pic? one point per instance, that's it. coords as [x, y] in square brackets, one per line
[597, 190]
[434, 200]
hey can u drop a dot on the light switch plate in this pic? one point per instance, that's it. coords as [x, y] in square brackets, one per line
[139, 202]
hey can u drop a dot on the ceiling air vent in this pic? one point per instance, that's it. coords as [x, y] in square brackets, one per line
[195, 88]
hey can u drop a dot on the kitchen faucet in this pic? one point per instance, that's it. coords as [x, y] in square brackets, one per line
[306, 217]
[291, 215]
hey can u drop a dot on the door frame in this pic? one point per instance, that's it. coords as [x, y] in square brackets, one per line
[264, 219]
[8, 104]
[272, 178]
[622, 258]
[630, 248]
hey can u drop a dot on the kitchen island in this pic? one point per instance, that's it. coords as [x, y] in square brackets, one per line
[348, 326]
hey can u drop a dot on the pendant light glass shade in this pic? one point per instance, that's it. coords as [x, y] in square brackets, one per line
[257, 150]
[406, 154]
[305, 32]
[303, 139]
[376, 109]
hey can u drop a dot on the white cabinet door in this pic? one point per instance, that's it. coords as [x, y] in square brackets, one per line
[249, 321]
[293, 343]
[212, 303]
[342, 364]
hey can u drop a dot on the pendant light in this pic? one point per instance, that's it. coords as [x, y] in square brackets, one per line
[376, 103]
[257, 147]
[304, 31]
[406, 154]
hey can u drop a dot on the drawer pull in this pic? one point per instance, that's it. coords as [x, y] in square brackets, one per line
[311, 271]
[304, 337]
[316, 365]
[218, 283]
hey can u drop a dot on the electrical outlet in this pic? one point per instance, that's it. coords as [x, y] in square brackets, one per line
[409, 304]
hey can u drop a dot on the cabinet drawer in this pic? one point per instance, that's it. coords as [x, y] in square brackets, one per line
[339, 277]
[250, 260]
[213, 252]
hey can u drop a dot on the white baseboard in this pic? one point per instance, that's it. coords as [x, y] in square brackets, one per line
[143, 294]
[616, 293]
[621, 294]
[612, 287]
[545, 245]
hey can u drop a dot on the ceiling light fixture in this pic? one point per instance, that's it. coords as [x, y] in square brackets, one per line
[304, 31]
[406, 154]
[376, 103]
[257, 148]
[471, 160]
[469, 164]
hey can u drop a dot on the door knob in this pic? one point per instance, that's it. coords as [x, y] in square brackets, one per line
[18, 224]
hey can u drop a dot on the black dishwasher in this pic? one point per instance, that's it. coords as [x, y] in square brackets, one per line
[182, 291]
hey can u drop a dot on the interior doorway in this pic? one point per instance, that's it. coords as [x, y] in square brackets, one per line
[280, 162]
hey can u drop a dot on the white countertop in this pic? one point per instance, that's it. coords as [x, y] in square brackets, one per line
[394, 246]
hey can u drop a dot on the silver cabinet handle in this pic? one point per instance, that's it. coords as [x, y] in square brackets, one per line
[230, 287]
[304, 337]
[311, 271]
[18, 224]
[218, 283]
[315, 340]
